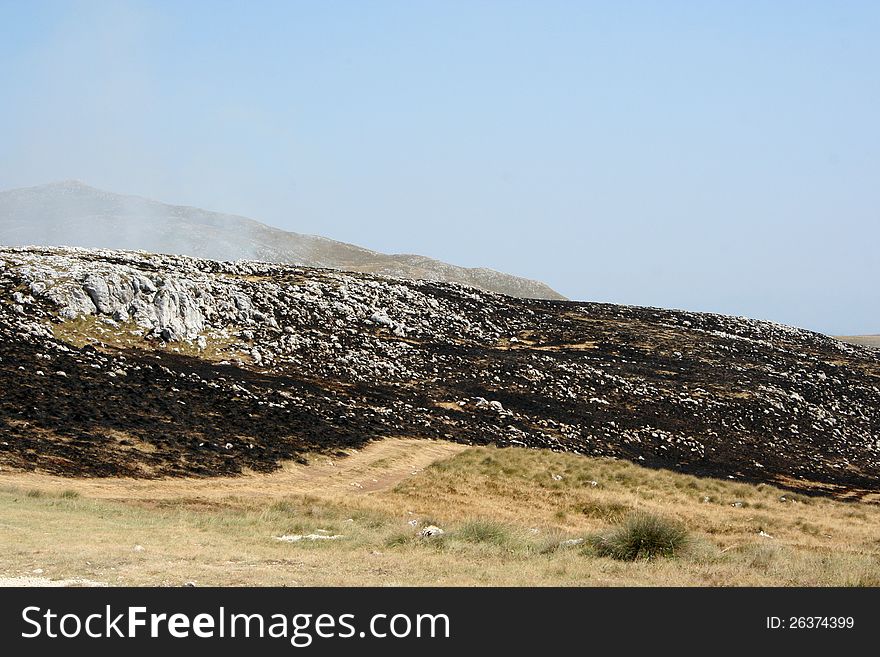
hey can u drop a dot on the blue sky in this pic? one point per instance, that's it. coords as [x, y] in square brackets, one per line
[703, 155]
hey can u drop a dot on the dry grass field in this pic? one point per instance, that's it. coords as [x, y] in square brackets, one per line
[864, 340]
[511, 517]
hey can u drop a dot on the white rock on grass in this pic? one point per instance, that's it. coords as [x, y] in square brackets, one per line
[295, 538]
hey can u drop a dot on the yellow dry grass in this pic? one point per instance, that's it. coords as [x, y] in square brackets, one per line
[379, 465]
[507, 514]
[864, 340]
[95, 331]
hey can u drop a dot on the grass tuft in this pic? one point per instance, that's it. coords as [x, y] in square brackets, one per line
[483, 531]
[399, 539]
[642, 536]
[552, 541]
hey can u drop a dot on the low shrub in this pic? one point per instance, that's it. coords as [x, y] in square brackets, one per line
[642, 536]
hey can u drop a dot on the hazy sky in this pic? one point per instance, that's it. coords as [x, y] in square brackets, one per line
[719, 156]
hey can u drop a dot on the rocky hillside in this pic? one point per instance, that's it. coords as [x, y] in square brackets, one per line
[70, 213]
[121, 363]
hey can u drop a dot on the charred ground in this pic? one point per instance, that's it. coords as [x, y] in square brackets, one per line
[120, 363]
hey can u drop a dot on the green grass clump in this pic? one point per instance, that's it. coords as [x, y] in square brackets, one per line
[399, 539]
[642, 536]
[552, 541]
[483, 531]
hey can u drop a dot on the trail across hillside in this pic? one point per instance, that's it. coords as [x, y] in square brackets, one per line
[378, 466]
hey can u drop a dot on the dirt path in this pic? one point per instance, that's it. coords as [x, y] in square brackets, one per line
[378, 466]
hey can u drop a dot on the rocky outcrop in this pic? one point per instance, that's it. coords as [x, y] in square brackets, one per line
[168, 306]
[188, 366]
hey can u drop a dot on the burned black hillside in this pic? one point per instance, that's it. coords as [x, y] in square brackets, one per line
[127, 363]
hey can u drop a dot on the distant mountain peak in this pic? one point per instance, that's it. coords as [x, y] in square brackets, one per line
[70, 183]
[73, 213]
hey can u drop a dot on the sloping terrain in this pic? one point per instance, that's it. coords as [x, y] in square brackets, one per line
[117, 363]
[380, 465]
[71, 213]
[511, 517]
[864, 340]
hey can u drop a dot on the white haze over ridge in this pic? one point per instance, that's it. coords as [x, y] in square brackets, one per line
[70, 213]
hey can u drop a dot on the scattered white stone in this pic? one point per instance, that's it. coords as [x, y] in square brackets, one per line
[295, 538]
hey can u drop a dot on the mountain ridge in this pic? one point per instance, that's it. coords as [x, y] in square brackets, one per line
[72, 213]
